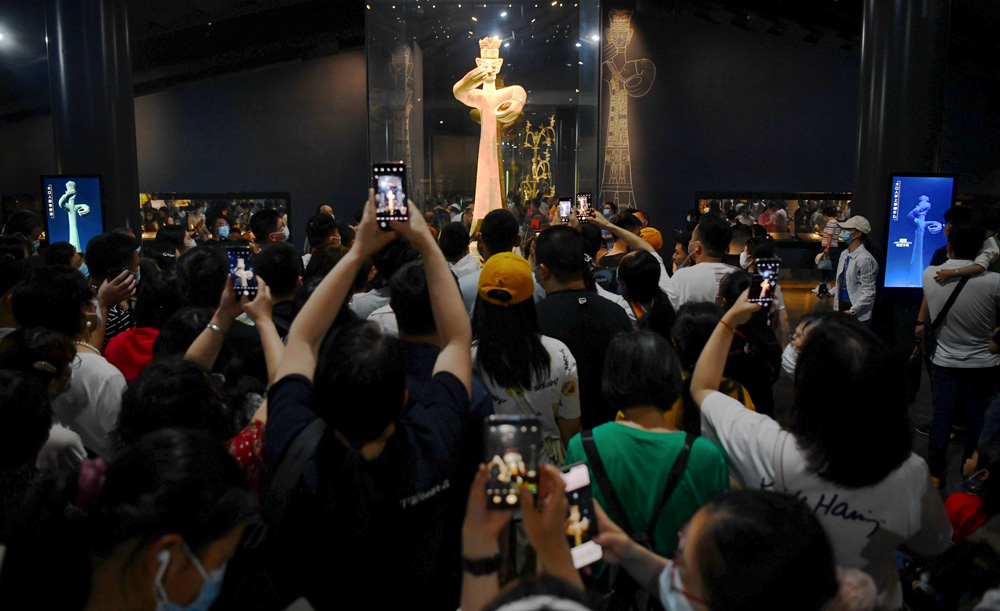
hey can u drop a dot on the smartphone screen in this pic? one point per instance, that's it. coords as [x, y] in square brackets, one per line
[581, 521]
[513, 446]
[764, 281]
[242, 271]
[389, 180]
[583, 204]
[565, 207]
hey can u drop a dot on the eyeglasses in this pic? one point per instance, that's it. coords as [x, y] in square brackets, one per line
[675, 581]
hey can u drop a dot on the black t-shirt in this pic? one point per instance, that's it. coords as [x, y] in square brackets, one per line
[611, 261]
[358, 530]
[585, 322]
[940, 256]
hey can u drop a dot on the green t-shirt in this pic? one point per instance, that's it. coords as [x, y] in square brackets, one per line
[638, 463]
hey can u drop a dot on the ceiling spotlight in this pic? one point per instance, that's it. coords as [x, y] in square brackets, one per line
[595, 38]
[579, 45]
[506, 44]
[1, 38]
[503, 14]
[474, 19]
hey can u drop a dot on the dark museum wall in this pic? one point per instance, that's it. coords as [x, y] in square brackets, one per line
[298, 127]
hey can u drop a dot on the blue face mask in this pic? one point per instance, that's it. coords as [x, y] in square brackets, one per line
[224, 232]
[34, 245]
[606, 212]
[845, 236]
[211, 586]
[85, 270]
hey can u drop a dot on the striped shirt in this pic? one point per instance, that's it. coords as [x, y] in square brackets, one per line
[119, 321]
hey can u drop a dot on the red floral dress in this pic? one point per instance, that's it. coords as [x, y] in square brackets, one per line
[247, 449]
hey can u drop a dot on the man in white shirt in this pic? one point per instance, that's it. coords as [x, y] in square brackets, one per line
[497, 233]
[708, 246]
[454, 243]
[396, 254]
[964, 371]
[857, 272]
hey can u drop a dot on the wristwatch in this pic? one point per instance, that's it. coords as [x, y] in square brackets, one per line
[481, 566]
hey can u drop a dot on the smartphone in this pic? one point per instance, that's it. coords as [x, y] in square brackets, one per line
[513, 447]
[242, 271]
[581, 521]
[565, 207]
[764, 281]
[389, 180]
[583, 206]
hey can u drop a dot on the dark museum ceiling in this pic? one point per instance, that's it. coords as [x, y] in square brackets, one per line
[182, 40]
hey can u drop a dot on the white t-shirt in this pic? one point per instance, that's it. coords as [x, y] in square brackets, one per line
[865, 525]
[988, 254]
[558, 395]
[464, 266]
[964, 336]
[91, 406]
[698, 283]
[63, 451]
[364, 304]
[469, 285]
[385, 318]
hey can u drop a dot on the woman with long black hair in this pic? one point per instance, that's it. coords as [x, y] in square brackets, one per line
[527, 373]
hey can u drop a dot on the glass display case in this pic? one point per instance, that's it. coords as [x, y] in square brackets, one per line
[189, 209]
[801, 217]
[420, 55]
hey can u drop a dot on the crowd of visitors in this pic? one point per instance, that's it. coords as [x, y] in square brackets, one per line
[169, 444]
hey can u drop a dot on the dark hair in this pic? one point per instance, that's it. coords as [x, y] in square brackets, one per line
[201, 274]
[741, 233]
[958, 215]
[825, 426]
[171, 481]
[180, 330]
[319, 227]
[23, 347]
[109, 251]
[746, 525]
[411, 300]
[560, 249]
[612, 205]
[60, 253]
[347, 233]
[22, 222]
[358, 366]
[263, 223]
[14, 247]
[966, 240]
[157, 300]
[322, 262]
[639, 277]
[26, 415]
[509, 344]
[641, 368]
[174, 235]
[161, 252]
[714, 234]
[593, 240]
[280, 265]
[171, 392]
[215, 212]
[989, 459]
[831, 211]
[683, 238]
[393, 256]
[499, 231]
[760, 337]
[52, 297]
[761, 248]
[759, 231]
[552, 588]
[344, 317]
[693, 326]
[988, 217]
[454, 241]
[628, 222]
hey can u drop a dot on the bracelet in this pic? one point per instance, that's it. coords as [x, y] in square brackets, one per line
[216, 328]
[726, 325]
[481, 566]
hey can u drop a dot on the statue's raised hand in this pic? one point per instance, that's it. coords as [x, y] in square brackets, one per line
[82, 210]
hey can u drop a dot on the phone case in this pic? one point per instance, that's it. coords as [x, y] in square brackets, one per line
[513, 448]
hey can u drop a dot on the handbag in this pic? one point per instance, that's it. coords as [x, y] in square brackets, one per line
[823, 263]
[930, 334]
[625, 593]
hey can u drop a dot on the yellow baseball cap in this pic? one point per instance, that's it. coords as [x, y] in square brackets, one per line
[652, 237]
[506, 280]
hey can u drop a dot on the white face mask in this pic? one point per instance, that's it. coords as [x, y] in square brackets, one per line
[671, 595]
[788, 359]
[745, 260]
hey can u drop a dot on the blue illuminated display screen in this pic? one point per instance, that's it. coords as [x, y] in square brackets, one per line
[916, 226]
[73, 209]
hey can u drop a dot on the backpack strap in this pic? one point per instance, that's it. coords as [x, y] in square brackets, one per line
[674, 478]
[299, 453]
[615, 508]
[937, 322]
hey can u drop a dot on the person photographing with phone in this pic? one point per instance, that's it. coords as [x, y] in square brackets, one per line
[857, 272]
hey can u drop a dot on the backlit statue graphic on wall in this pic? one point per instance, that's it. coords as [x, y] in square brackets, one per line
[626, 78]
[68, 203]
[918, 216]
[503, 105]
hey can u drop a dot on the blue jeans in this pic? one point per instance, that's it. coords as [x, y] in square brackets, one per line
[968, 391]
